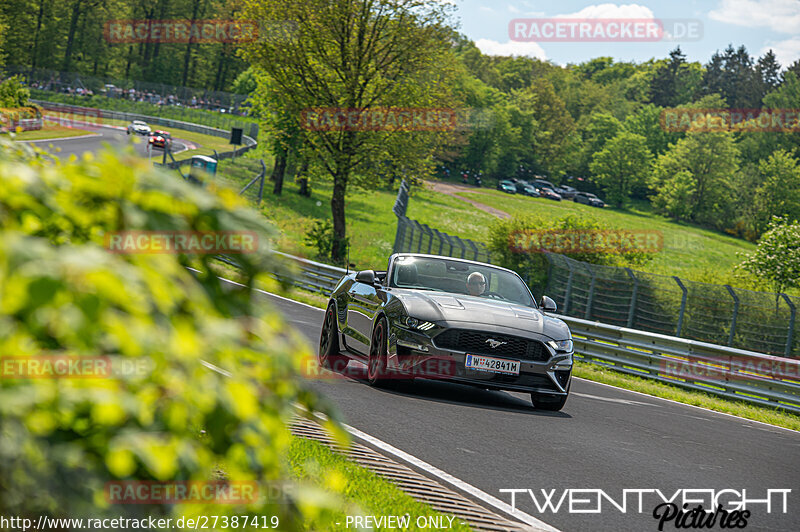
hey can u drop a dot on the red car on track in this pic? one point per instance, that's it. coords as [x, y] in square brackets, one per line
[161, 139]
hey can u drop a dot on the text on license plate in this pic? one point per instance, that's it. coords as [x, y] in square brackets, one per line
[495, 365]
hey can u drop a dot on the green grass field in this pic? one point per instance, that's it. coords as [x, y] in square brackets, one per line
[691, 252]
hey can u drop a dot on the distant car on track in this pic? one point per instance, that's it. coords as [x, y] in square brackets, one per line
[137, 127]
[450, 319]
[507, 186]
[588, 199]
[160, 139]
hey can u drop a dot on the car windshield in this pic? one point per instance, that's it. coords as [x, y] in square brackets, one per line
[137, 123]
[456, 277]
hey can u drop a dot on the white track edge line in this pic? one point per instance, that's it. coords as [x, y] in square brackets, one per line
[687, 404]
[492, 501]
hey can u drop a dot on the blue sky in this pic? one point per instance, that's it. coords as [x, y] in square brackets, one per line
[758, 24]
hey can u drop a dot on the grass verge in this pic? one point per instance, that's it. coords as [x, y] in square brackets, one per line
[365, 492]
[772, 416]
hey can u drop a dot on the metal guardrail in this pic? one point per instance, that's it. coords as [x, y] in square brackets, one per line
[732, 373]
[314, 276]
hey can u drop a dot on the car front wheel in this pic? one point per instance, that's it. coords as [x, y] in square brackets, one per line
[329, 356]
[552, 403]
[376, 365]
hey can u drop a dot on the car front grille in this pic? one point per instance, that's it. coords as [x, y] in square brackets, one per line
[475, 342]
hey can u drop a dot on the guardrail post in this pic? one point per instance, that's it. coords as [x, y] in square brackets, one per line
[462, 246]
[441, 241]
[590, 298]
[568, 292]
[634, 292]
[683, 305]
[474, 249]
[735, 313]
[790, 333]
[400, 235]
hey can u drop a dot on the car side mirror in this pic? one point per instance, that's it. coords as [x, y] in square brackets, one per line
[366, 277]
[548, 305]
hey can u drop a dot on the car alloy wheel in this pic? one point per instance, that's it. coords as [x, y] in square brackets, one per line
[376, 365]
[329, 356]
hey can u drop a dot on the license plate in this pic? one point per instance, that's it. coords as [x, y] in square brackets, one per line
[493, 365]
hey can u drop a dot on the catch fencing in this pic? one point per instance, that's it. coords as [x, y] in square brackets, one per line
[754, 321]
[720, 314]
[126, 89]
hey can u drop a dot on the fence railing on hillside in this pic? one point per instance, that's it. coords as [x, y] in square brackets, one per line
[720, 314]
[755, 321]
[115, 88]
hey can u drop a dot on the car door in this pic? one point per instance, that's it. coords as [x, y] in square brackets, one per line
[361, 311]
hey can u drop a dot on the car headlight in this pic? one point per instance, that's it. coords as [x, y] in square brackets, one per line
[414, 323]
[564, 346]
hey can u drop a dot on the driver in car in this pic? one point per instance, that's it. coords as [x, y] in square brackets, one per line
[476, 284]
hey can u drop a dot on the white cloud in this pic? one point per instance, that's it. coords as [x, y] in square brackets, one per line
[529, 49]
[489, 9]
[513, 9]
[787, 52]
[777, 15]
[611, 11]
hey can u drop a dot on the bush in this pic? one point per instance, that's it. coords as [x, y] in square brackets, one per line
[504, 244]
[321, 237]
[216, 382]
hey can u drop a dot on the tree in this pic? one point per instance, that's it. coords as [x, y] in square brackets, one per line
[675, 81]
[779, 195]
[647, 122]
[768, 70]
[733, 75]
[623, 164]
[777, 257]
[674, 198]
[710, 159]
[355, 55]
[602, 127]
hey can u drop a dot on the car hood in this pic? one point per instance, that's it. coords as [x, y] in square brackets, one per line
[460, 310]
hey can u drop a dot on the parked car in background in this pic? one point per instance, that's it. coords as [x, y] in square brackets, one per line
[541, 183]
[161, 139]
[507, 186]
[530, 190]
[520, 185]
[549, 193]
[566, 191]
[137, 127]
[588, 199]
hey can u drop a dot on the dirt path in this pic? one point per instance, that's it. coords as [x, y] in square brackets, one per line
[451, 189]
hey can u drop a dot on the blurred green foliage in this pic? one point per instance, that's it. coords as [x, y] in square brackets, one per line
[220, 379]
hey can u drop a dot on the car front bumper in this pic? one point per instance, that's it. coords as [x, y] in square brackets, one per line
[413, 354]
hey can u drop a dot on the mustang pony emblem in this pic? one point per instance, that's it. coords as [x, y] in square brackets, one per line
[494, 343]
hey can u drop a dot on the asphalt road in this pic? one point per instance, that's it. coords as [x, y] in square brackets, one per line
[63, 148]
[605, 438]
